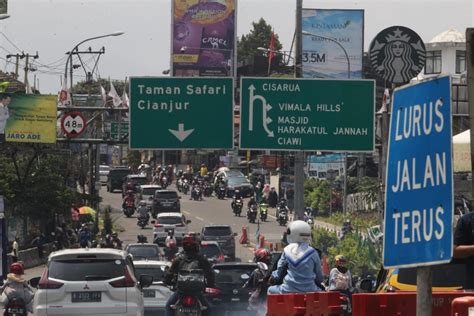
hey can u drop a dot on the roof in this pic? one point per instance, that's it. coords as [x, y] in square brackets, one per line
[142, 245]
[88, 251]
[164, 191]
[150, 186]
[210, 242]
[450, 36]
[137, 176]
[170, 214]
[217, 226]
[148, 263]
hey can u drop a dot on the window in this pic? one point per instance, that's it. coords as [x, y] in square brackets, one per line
[217, 231]
[433, 62]
[460, 61]
[86, 269]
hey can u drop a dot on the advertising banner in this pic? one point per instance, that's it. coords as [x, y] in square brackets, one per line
[318, 166]
[203, 37]
[324, 58]
[31, 119]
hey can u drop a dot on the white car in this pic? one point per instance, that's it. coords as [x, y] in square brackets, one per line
[156, 295]
[104, 171]
[90, 282]
[169, 221]
[146, 193]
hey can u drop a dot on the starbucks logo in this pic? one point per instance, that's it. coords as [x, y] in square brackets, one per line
[397, 54]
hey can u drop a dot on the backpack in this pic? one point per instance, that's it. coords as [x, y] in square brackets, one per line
[341, 281]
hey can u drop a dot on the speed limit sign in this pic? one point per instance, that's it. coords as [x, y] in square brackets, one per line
[73, 124]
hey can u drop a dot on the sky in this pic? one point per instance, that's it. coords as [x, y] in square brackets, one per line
[53, 27]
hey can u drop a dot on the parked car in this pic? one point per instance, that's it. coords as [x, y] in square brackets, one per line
[143, 251]
[116, 177]
[223, 235]
[90, 281]
[212, 251]
[166, 201]
[169, 221]
[136, 179]
[147, 193]
[229, 280]
[103, 173]
[155, 296]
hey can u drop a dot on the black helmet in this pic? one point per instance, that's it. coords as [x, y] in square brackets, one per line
[191, 242]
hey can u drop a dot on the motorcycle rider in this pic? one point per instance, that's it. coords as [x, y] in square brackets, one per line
[143, 211]
[282, 206]
[258, 281]
[129, 199]
[299, 261]
[116, 242]
[17, 287]
[170, 245]
[237, 196]
[340, 278]
[189, 258]
[252, 202]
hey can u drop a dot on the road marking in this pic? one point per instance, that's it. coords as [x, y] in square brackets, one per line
[199, 218]
[186, 212]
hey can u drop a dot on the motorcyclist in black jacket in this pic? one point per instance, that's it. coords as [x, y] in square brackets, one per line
[187, 259]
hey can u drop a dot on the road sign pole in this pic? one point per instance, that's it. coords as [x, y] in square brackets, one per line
[470, 88]
[423, 291]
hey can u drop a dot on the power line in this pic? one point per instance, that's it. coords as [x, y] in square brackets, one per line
[13, 44]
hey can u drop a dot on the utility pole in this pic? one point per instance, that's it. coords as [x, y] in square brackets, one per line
[17, 62]
[27, 68]
[470, 91]
[299, 155]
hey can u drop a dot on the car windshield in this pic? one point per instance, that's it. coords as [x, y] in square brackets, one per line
[139, 181]
[144, 251]
[234, 173]
[154, 271]
[237, 181]
[166, 195]
[232, 275]
[217, 231]
[82, 269]
[170, 220]
[149, 191]
[210, 251]
[445, 275]
[119, 173]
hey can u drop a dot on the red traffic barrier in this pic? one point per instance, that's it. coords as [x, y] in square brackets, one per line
[400, 303]
[261, 241]
[244, 238]
[462, 306]
[307, 304]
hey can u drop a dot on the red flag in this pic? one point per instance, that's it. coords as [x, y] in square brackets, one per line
[272, 53]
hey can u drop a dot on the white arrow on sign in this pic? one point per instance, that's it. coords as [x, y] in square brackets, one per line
[181, 134]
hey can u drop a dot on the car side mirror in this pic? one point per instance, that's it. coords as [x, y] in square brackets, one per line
[366, 285]
[34, 282]
[145, 280]
[188, 221]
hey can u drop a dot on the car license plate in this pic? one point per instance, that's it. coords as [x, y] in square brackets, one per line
[149, 293]
[83, 297]
[167, 203]
[235, 299]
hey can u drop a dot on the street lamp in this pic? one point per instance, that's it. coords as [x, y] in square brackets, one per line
[335, 41]
[69, 58]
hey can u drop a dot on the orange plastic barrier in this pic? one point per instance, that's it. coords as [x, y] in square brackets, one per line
[462, 306]
[400, 303]
[243, 237]
[307, 304]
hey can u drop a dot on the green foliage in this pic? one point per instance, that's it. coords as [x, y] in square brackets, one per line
[358, 221]
[316, 195]
[93, 87]
[134, 159]
[259, 36]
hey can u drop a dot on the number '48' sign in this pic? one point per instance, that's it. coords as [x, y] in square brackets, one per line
[73, 124]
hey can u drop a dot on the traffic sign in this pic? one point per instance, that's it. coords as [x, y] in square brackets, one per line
[73, 124]
[181, 113]
[419, 182]
[114, 130]
[307, 114]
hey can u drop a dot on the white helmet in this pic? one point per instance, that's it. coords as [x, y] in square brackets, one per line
[298, 231]
[142, 203]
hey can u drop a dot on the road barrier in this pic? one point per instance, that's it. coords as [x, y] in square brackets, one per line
[307, 304]
[244, 238]
[463, 306]
[401, 303]
[261, 241]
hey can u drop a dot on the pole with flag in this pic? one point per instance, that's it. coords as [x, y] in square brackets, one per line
[116, 99]
[271, 53]
[103, 94]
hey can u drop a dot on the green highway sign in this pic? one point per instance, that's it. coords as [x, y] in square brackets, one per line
[307, 114]
[114, 130]
[181, 113]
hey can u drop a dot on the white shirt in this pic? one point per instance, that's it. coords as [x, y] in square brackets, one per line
[4, 115]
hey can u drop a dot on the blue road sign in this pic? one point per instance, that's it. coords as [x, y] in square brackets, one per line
[419, 182]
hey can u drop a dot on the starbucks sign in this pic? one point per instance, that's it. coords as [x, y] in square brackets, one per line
[397, 54]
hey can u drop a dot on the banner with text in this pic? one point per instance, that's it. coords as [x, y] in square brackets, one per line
[203, 37]
[419, 182]
[323, 58]
[318, 166]
[31, 119]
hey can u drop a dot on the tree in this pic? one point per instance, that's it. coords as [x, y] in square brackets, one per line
[134, 159]
[259, 36]
[93, 87]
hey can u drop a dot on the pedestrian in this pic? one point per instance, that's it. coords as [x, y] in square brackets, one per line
[299, 267]
[203, 170]
[290, 197]
[272, 197]
[84, 236]
[15, 250]
[39, 242]
[464, 246]
[266, 191]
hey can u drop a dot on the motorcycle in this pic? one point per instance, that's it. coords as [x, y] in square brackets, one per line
[15, 307]
[128, 208]
[179, 185]
[237, 207]
[252, 213]
[221, 193]
[185, 188]
[207, 189]
[196, 194]
[263, 212]
[164, 182]
[142, 221]
[282, 217]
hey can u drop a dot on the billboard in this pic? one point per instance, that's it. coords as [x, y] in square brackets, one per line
[31, 119]
[318, 166]
[203, 38]
[324, 58]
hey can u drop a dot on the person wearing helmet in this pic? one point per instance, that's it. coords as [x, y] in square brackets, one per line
[142, 210]
[258, 281]
[299, 261]
[129, 199]
[189, 259]
[340, 278]
[16, 287]
[116, 242]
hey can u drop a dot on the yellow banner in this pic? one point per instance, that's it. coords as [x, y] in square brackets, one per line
[185, 58]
